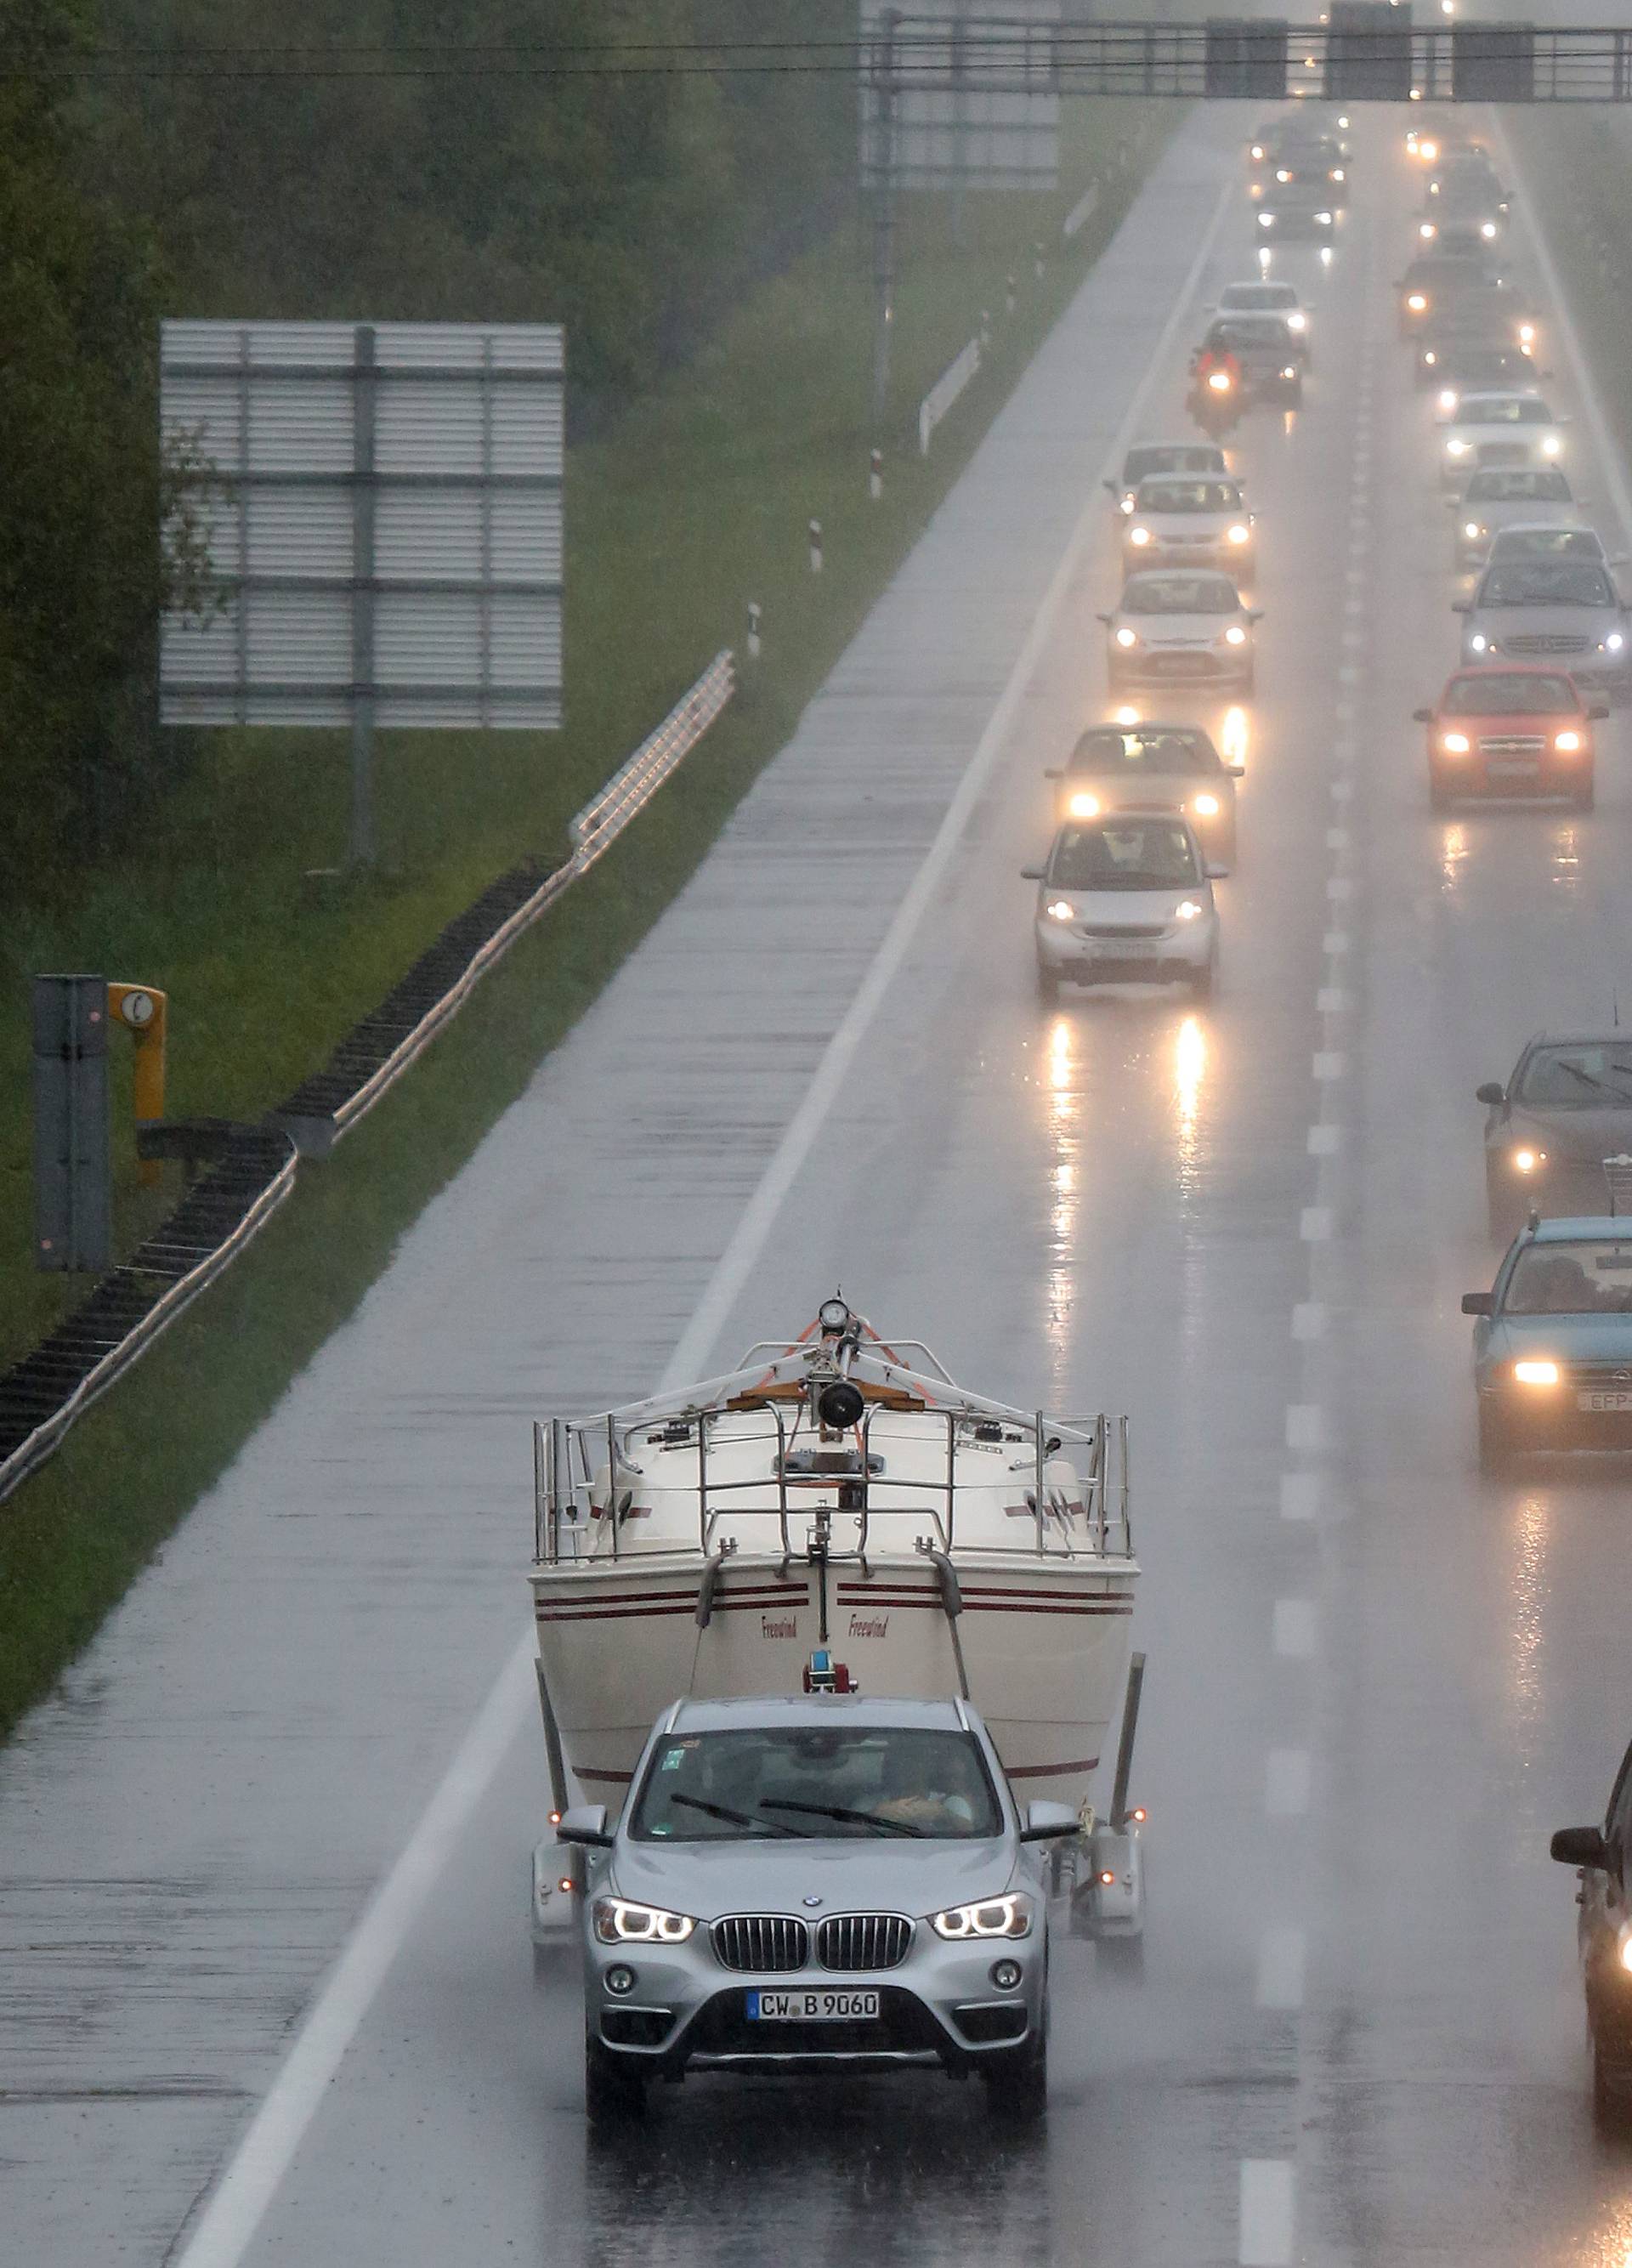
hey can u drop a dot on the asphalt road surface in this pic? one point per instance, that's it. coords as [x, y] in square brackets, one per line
[1376, 1682]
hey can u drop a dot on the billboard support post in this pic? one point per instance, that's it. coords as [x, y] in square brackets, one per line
[362, 664]
[883, 224]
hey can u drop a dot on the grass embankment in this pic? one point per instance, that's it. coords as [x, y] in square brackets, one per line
[1578, 169]
[698, 504]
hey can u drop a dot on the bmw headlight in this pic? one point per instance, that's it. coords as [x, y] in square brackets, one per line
[1125, 637]
[1006, 1916]
[620, 1921]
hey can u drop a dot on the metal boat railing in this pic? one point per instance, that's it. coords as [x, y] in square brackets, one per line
[567, 1452]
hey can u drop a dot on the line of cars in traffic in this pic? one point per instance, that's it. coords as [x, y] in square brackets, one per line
[1546, 647]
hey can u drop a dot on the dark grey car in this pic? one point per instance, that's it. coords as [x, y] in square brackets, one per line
[1604, 1939]
[815, 1884]
[1566, 1107]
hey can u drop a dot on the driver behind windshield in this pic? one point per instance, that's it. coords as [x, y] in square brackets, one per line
[1134, 854]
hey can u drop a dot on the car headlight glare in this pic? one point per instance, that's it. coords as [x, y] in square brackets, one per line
[1125, 637]
[1083, 806]
[1187, 910]
[1447, 397]
[1219, 380]
[1235, 635]
[1486, 229]
[1298, 321]
[1527, 334]
[1323, 220]
[621, 1921]
[1060, 909]
[1205, 806]
[1266, 220]
[1240, 535]
[1454, 744]
[1456, 446]
[1258, 152]
[1472, 530]
[1625, 1956]
[1525, 1161]
[1336, 173]
[1567, 744]
[1140, 535]
[1480, 643]
[1289, 371]
[1282, 175]
[1417, 302]
[1427, 230]
[1550, 444]
[1010, 1916]
[1536, 1373]
[1126, 504]
[1614, 642]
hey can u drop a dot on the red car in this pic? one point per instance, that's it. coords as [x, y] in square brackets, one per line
[1510, 729]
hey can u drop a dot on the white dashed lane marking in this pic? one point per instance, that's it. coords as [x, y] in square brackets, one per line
[1295, 1631]
[1282, 1953]
[1287, 1778]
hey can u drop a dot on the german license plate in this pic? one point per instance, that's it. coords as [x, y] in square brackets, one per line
[1605, 1397]
[817, 2008]
[1512, 771]
[1120, 948]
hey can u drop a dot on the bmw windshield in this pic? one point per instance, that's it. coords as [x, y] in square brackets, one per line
[843, 1781]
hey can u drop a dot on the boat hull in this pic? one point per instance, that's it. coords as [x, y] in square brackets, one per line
[1044, 1648]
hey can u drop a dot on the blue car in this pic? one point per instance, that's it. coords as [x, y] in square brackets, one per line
[1553, 1342]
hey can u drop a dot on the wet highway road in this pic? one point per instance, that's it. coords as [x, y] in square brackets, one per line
[1375, 1680]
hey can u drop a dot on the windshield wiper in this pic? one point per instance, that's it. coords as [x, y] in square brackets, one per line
[737, 1818]
[1600, 1086]
[839, 1811]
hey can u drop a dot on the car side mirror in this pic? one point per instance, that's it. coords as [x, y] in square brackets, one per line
[1254, 614]
[1492, 1092]
[586, 1824]
[1044, 1821]
[1214, 872]
[1031, 873]
[1235, 771]
[1461, 606]
[1580, 1846]
[1103, 618]
[1478, 1303]
[1421, 716]
[1052, 771]
[1598, 710]
[1111, 488]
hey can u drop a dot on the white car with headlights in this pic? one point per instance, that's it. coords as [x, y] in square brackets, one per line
[1191, 459]
[1197, 522]
[1265, 297]
[1180, 626]
[1512, 497]
[1563, 611]
[1125, 899]
[1494, 432]
[1151, 765]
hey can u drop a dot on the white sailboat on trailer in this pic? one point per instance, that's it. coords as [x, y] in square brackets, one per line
[835, 1511]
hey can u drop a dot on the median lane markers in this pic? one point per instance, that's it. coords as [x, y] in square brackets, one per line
[1335, 942]
[1325, 1139]
[1308, 1321]
[1267, 2213]
[1339, 886]
[1282, 1953]
[1300, 1495]
[1337, 838]
[235, 2208]
[1342, 788]
[1328, 1064]
[1349, 675]
[1315, 1225]
[1331, 1001]
[1287, 1783]
[1295, 1631]
[1304, 1433]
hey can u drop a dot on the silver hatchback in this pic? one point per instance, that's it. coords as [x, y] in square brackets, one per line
[821, 1883]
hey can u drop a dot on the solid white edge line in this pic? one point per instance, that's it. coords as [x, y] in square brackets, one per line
[238, 2204]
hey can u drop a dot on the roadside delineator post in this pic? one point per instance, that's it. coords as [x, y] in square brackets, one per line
[754, 630]
[815, 536]
[875, 476]
[1009, 293]
[986, 326]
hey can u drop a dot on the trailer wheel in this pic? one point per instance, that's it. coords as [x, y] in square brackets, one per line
[1120, 1960]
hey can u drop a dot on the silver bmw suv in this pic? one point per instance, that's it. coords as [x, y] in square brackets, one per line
[827, 1881]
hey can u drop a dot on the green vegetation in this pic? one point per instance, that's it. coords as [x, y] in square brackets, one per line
[687, 506]
[1578, 170]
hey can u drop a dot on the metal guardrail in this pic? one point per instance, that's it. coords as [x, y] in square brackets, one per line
[43, 1396]
[945, 392]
